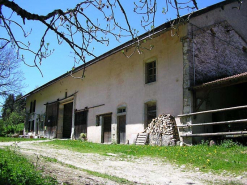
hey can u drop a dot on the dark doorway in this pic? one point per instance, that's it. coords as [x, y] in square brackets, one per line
[67, 120]
[106, 129]
[121, 129]
[150, 109]
[80, 123]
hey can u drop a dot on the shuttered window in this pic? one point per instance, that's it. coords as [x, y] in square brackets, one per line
[32, 106]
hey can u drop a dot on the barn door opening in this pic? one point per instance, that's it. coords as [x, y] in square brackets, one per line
[106, 128]
[67, 120]
[80, 123]
[121, 129]
[51, 120]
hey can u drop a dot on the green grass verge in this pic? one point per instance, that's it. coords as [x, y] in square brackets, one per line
[9, 139]
[232, 158]
[16, 169]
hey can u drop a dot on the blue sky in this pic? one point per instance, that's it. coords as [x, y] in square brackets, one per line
[61, 60]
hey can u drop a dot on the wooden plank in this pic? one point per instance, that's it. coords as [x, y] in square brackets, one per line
[215, 134]
[211, 111]
[215, 123]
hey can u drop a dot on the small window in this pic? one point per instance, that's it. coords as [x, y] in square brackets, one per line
[150, 72]
[121, 110]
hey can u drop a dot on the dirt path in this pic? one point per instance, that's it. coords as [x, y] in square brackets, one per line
[143, 170]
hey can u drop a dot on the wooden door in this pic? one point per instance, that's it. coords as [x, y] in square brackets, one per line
[122, 129]
[67, 120]
[51, 120]
[80, 123]
[106, 129]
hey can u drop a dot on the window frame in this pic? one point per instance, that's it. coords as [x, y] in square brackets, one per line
[150, 78]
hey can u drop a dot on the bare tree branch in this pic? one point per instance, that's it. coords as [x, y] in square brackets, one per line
[79, 30]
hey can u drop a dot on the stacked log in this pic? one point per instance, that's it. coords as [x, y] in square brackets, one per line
[162, 131]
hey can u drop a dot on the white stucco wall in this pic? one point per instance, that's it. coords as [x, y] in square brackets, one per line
[118, 80]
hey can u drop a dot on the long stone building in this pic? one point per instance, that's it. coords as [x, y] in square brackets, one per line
[180, 75]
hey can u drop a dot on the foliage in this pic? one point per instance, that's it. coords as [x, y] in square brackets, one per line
[83, 136]
[9, 130]
[228, 143]
[13, 104]
[8, 106]
[13, 114]
[217, 158]
[15, 169]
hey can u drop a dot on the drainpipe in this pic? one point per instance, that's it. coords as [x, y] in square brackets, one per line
[193, 57]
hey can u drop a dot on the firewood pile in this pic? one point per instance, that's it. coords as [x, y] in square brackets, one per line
[163, 130]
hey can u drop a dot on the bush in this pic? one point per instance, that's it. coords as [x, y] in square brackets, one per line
[228, 143]
[6, 130]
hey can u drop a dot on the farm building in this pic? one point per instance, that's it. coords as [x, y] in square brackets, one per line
[202, 68]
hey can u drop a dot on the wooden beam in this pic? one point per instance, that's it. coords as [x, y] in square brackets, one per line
[215, 134]
[211, 111]
[215, 123]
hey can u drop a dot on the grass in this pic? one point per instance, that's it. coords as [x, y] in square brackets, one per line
[16, 169]
[232, 158]
[97, 174]
[9, 139]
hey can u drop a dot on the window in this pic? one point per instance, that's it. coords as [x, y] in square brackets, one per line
[32, 106]
[150, 110]
[150, 71]
[121, 110]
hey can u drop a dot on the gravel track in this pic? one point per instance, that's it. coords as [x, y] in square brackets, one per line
[138, 170]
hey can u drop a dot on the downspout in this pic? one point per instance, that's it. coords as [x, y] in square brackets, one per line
[72, 136]
[193, 57]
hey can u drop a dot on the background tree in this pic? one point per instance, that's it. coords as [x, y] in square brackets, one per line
[13, 114]
[11, 78]
[80, 28]
[8, 106]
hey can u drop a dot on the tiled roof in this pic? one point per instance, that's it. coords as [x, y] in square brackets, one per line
[227, 81]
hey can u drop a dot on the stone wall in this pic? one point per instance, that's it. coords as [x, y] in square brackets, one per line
[216, 51]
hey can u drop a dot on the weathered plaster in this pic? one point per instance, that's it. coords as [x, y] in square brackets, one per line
[118, 79]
